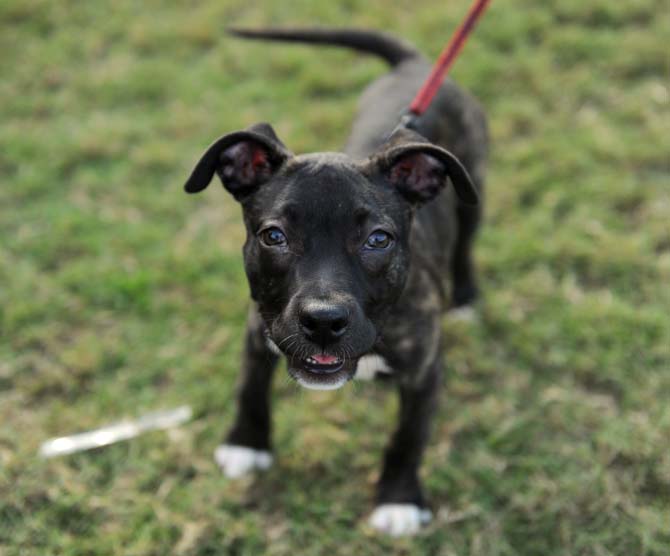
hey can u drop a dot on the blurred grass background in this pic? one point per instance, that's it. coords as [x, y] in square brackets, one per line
[119, 294]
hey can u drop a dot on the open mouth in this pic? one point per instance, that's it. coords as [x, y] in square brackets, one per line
[322, 371]
[322, 364]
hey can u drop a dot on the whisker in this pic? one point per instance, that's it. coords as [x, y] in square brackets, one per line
[286, 339]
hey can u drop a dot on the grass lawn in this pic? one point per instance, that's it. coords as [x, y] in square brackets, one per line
[120, 295]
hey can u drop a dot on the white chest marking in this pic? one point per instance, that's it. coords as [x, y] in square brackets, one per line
[369, 365]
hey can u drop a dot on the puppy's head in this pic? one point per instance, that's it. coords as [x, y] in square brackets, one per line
[327, 249]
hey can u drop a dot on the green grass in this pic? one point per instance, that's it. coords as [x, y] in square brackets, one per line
[120, 295]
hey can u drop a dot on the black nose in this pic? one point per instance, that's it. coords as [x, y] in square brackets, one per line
[322, 322]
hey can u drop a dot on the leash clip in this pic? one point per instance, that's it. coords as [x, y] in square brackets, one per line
[407, 121]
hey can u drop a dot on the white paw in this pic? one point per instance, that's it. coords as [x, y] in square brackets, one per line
[465, 313]
[399, 520]
[237, 461]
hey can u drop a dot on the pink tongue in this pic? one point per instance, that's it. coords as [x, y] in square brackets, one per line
[325, 359]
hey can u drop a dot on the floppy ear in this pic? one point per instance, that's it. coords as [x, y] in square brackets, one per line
[419, 169]
[243, 160]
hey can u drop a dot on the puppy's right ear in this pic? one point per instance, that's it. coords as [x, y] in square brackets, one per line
[243, 160]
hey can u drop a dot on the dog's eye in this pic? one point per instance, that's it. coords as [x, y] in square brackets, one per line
[378, 240]
[273, 237]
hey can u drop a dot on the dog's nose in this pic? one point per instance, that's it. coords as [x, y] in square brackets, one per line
[322, 322]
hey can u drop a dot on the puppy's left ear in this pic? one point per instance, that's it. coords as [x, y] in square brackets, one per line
[243, 160]
[419, 169]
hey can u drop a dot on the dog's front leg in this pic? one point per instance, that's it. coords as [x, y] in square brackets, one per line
[401, 508]
[247, 445]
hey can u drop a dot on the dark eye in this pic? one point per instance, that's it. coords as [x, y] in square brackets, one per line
[378, 240]
[273, 237]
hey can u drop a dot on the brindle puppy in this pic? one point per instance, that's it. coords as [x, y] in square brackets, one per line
[347, 259]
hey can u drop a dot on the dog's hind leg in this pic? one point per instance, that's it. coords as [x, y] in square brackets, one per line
[247, 446]
[464, 283]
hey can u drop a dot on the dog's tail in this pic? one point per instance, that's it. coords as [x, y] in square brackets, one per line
[390, 48]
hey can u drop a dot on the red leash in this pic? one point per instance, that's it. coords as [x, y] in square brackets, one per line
[425, 95]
